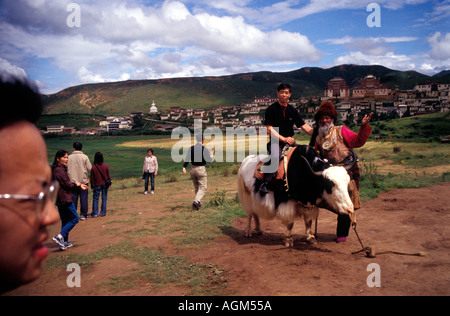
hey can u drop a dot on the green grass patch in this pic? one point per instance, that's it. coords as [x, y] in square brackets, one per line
[154, 268]
[199, 228]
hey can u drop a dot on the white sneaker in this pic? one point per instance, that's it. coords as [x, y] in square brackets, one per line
[146, 192]
[153, 192]
[59, 240]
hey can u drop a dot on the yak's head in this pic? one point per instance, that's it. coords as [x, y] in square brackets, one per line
[326, 187]
[335, 196]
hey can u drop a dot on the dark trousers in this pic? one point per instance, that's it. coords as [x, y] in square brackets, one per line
[343, 225]
[95, 197]
[149, 176]
[83, 194]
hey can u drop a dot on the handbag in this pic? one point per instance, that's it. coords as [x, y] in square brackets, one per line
[107, 182]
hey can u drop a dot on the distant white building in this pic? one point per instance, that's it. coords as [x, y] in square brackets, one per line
[153, 109]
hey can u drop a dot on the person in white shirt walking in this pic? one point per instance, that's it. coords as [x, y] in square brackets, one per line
[78, 169]
[150, 170]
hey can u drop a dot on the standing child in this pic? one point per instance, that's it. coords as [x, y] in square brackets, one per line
[99, 183]
[150, 170]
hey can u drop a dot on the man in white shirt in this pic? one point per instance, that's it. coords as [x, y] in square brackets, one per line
[78, 168]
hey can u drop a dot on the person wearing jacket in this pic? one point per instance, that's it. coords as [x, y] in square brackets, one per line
[334, 144]
[78, 169]
[64, 200]
[198, 155]
[99, 176]
[150, 170]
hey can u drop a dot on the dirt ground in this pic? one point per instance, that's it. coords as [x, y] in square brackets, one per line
[404, 220]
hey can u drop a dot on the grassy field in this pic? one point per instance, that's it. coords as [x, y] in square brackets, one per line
[384, 165]
[135, 224]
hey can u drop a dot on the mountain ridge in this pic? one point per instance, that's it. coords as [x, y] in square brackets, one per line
[209, 91]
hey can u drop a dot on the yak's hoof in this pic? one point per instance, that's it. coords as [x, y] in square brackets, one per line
[311, 240]
[289, 242]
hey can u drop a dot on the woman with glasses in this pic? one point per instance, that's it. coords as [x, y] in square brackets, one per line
[27, 193]
[64, 201]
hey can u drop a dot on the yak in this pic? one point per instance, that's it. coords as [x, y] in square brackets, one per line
[309, 183]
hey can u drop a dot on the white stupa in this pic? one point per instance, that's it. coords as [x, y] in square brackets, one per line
[153, 109]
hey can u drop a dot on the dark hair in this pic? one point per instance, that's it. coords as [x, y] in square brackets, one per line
[77, 146]
[19, 101]
[284, 86]
[98, 158]
[59, 154]
[151, 149]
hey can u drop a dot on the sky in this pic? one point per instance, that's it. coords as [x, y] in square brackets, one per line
[61, 43]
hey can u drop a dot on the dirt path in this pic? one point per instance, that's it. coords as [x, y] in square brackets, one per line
[405, 220]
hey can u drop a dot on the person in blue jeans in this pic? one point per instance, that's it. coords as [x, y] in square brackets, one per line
[150, 171]
[99, 176]
[64, 202]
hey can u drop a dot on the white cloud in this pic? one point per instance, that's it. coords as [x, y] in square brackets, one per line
[370, 53]
[440, 46]
[389, 60]
[87, 76]
[9, 71]
[440, 11]
[116, 38]
[372, 46]
[281, 12]
[382, 39]
[140, 39]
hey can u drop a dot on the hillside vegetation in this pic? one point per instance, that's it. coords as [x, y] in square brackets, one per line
[207, 92]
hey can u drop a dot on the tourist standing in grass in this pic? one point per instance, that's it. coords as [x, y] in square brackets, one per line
[64, 201]
[99, 184]
[150, 170]
[78, 169]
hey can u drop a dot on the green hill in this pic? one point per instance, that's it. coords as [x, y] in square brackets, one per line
[209, 92]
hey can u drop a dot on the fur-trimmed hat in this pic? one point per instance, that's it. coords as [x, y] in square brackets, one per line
[326, 108]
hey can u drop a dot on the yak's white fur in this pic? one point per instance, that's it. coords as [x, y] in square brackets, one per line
[256, 206]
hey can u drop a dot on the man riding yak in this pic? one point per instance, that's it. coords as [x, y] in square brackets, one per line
[280, 119]
[334, 143]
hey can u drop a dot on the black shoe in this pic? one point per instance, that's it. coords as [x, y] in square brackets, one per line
[196, 205]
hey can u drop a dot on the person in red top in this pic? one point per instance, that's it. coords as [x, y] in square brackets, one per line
[334, 144]
[99, 176]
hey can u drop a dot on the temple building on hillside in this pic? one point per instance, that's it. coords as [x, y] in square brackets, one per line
[337, 88]
[370, 87]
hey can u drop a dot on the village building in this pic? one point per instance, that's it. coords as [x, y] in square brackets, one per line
[337, 88]
[370, 87]
[55, 128]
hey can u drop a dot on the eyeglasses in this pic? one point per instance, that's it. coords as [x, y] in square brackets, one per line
[49, 193]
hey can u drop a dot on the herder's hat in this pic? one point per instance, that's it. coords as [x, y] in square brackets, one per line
[326, 108]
